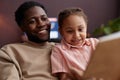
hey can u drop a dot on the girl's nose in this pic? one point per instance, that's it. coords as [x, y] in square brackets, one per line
[77, 35]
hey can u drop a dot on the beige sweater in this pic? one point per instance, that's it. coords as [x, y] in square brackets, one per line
[25, 61]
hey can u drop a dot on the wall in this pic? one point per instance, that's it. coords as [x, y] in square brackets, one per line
[98, 12]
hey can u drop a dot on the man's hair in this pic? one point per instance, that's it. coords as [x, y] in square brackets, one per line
[70, 11]
[19, 13]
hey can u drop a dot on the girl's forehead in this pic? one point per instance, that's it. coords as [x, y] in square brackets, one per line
[73, 20]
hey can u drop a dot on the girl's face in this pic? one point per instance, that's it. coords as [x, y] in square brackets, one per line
[73, 30]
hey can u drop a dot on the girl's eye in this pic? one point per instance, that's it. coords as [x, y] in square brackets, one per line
[80, 29]
[69, 31]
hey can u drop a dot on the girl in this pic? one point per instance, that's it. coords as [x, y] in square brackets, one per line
[70, 57]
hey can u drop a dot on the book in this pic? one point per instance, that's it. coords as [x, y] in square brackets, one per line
[104, 63]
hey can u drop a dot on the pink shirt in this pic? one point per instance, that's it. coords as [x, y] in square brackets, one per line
[65, 55]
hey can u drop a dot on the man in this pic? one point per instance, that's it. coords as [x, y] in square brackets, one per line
[29, 60]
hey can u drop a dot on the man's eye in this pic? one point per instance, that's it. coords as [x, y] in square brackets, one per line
[31, 22]
[44, 19]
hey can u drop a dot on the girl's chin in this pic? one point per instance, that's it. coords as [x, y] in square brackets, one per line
[77, 44]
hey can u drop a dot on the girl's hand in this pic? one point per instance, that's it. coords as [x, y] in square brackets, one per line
[76, 74]
[94, 78]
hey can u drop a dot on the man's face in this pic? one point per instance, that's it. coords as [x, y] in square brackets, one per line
[36, 25]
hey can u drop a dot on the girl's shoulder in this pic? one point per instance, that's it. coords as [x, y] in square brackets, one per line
[93, 42]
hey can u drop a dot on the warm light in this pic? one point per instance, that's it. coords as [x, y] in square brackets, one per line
[2, 20]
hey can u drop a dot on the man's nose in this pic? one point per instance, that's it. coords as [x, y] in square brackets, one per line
[40, 22]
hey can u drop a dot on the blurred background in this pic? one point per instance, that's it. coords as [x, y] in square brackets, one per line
[98, 12]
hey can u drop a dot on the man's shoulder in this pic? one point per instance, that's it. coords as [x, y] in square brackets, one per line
[9, 49]
[11, 45]
[52, 43]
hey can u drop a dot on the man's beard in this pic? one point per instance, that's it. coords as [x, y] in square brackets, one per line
[36, 39]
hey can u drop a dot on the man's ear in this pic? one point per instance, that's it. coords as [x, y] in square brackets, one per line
[23, 28]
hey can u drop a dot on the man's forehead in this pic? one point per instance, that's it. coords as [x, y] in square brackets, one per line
[36, 10]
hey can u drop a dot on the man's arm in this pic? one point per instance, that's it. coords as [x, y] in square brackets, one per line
[8, 70]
